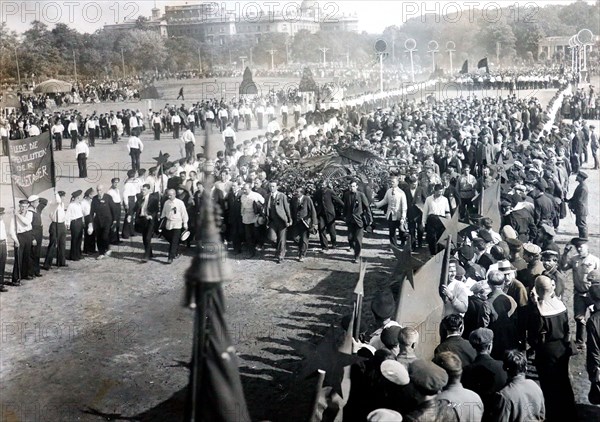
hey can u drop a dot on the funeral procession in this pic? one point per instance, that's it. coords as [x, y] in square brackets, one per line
[299, 211]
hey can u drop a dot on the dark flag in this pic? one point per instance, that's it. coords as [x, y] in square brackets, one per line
[215, 389]
[31, 165]
[483, 63]
[465, 67]
[421, 307]
[490, 204]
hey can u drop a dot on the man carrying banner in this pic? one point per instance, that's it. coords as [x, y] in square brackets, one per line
[22, 235]
[37, 233]
[3, 250]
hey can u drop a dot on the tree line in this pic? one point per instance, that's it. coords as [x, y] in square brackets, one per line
[512, 39]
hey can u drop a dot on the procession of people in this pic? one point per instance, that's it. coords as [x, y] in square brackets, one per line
[504, 297]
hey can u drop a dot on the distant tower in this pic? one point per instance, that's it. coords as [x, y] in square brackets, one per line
[155, 12]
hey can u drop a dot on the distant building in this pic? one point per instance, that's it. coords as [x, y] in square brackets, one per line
[209, 22]
[154, 23]
[553, 47]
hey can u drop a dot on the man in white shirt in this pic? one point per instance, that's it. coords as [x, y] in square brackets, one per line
[175, 218]
[135, 148]
[284, 114]
[58, 233]
[189, 141]
[175, 122]
[4, 138]
[395, 199]
[134, 125]
[22, 236]
[130, 190]
[73, 132]
[260, 112]
[74, 223]
[235, 116]
[223, 118]
[249, 215]
[229, 138]
[90, 128]
[57, 133]
[273, 126]
[156, 126]
[34, 130]
[455, 293]
[436, 206]
[82, 152]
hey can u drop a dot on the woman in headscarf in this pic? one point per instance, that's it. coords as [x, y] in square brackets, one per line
[548, 334]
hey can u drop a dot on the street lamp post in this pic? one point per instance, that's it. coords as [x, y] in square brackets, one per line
[18, 71]
[433, 47]
[411, 46]
[324, 50]
[451, 48]
[272, 55]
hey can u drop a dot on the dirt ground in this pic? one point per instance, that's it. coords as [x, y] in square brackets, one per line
[109, 340]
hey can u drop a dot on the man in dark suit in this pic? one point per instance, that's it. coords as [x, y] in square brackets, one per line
[415, 195]
[235, 230]
[453, 327]
[278, 218]
[304, 217]
[146, 213]
[103, 219]
[356, 207]
[579, 204]
[325, 202]
[485, 376]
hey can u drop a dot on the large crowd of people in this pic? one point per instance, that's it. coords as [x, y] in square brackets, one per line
[505, 292]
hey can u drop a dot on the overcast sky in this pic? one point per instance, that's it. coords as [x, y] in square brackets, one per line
[373, 15]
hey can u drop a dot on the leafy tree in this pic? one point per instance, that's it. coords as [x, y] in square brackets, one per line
[143, 50]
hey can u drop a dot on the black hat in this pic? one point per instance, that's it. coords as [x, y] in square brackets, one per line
[23, 202]
[485, 235]
[514, 244]
[389, 336]
[582, 174]
[427, 376]
[76, 193]
[576, 241]
[383, 305]
[61, 193]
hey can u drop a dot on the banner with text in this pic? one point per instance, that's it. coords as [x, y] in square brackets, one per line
[31, 165]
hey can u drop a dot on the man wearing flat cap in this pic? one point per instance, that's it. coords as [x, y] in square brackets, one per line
[550, 260]
[546, 238]
[485, 376]
[467, 403]
[428, 379]
[531, 255]
[582, 264]
[578, 204]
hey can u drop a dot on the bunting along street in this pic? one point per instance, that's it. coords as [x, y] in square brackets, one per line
[110, 339]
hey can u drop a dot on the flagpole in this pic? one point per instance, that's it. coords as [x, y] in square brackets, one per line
[12, 184]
